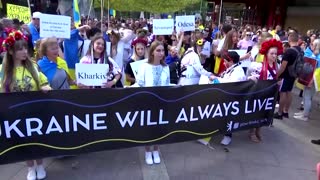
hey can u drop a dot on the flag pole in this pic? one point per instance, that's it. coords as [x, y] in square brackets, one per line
[108, 14]
[220, 13]
[89, 11]
[102, 4]
[29, 5]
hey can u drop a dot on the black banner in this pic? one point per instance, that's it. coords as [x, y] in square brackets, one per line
[37, 125]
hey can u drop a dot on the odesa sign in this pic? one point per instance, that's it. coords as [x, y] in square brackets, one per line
[185, 23]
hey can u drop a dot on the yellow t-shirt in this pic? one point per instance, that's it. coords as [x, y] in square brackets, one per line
[24, 81]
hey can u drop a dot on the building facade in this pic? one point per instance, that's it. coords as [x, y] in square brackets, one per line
[300, 14]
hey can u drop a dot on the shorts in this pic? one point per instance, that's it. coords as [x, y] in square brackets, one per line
[287, 84]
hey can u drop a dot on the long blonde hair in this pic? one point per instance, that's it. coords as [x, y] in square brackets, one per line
[135, 55]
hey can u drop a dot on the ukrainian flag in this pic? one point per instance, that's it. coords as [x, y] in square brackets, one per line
[76, 13]
[112, 12]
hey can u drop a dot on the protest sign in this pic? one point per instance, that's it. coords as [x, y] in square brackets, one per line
[163, 26]
[309, 68]
[91, 74]
[36, 125]
[19, 12]
[185, 23]
[55, 26]
[136, 65]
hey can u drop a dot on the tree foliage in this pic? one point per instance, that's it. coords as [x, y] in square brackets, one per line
[153, 6]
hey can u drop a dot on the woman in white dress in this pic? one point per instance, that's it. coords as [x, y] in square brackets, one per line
[191, 67]
[154, 73]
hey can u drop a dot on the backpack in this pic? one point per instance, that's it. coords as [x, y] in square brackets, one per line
[297, 68]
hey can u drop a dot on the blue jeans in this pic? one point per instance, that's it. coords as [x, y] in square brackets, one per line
[308, 93]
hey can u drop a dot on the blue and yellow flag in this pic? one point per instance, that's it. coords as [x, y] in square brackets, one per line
[112, 12]
[76, 13]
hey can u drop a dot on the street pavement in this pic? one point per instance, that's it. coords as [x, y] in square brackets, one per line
[285, 154]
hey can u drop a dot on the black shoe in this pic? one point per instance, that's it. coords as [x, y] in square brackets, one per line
[285, 115]
[317, 142]
[277, 116]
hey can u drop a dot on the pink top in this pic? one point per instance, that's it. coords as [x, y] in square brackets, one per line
[244, 44]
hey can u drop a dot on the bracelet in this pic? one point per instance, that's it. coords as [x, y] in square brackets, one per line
[115, 81]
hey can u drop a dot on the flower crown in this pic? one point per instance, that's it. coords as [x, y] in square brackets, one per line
[269, 44]
[12, 38]
[139, 40]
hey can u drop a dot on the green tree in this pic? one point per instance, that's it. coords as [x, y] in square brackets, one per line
[152, 6]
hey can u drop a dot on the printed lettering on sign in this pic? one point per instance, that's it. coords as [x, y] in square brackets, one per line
[89, 120]
[185, 23]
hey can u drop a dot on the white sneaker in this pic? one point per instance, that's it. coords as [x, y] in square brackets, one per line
[299, 113]
[226, 140]
[302, 118]
[41, 172]
[156, 157]
[148, 156]
[31, 173]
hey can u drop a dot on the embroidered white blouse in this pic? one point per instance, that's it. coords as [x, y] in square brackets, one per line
[153, 75]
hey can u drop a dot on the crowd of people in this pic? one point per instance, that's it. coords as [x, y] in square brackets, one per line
[34, 64]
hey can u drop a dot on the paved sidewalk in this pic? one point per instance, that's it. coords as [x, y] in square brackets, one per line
[285, 154]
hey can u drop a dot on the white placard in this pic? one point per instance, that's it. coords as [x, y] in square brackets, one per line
[55, 26]
[204, 80]
[163, 26]
[245, 62]
[136, 65]
[185, 23]
[108, 48]
[91, 74]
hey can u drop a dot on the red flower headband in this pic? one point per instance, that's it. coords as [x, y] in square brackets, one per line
[139, 40]
[12, 38]
[269, 44]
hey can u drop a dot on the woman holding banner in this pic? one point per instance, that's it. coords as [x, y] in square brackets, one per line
[265, 71]
[96, 55]
[21, 75]
[313, 52]
[154, 73]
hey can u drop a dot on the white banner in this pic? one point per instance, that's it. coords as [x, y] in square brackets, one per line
[136, 65]
[185, 23]
[91, 74]
[163, 26]
[55, 26]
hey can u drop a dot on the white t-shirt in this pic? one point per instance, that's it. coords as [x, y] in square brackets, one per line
[234, 73]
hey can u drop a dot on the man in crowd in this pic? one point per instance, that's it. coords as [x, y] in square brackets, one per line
[34, 27]
[287, 81]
